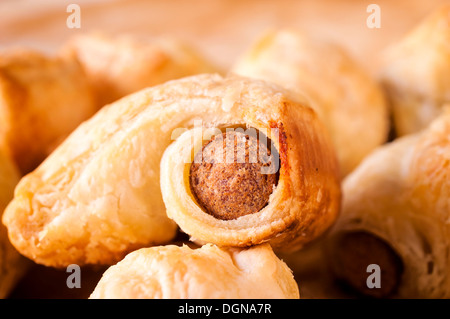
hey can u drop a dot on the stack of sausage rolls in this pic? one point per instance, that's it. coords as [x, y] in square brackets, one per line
[117, 147]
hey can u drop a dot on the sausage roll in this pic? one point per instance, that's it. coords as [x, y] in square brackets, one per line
[260, 168]
[350, 103]
[42, 99]
[416, 73]
[119, 65]
[396, 213]
[209, 272]
[100, 194]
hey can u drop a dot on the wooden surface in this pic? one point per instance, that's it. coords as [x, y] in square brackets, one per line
[221, 30]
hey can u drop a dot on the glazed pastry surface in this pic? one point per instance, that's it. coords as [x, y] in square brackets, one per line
[98, 196]
[400, 194]
[350, 103]
[209, 272]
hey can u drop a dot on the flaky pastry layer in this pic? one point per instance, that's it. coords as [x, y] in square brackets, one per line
[98, 196]
[209, 272]
[401, 194]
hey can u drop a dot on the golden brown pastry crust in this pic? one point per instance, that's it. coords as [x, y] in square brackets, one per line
[416, 73]
[209, 272]
[42, 99]
[347, 99]
[401, 194]
[12, 264]
[305, 202]
[98, 196]
[120, 65]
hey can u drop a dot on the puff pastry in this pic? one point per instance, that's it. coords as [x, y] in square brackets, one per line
[42, 99]
[209, 272]
[98, 196]
[306, 199]
[416, 73]
[396, 214]
[12, 264]
[347, 99]
[119, 65]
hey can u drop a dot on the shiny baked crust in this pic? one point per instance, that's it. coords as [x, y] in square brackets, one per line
[416, 73]
[305, 202]
[209, 272]
[98, 195]
[400, 193]
[118, 65]
[42, 99]
[12, 264]
[348, 100]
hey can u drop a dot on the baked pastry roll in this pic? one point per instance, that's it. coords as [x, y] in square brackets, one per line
[42, 99]
[209, 272]
[416, 73]
[119, 65]
[289, 199]
[98, 196]
[12, 264]
[395, 215]
[347, 99]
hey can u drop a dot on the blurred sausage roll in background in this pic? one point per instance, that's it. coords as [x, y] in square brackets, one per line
[396, 212]
[348, 100]
[117, 65]
[416, 73]
[42, 99]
